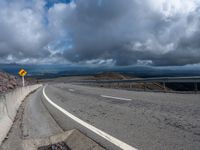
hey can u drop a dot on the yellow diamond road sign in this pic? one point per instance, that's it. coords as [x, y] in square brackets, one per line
[22, 72]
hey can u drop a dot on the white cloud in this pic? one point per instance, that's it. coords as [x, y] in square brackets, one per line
[113, 32]
[22, 30]
[171, 8]
[144, 62]
[106, 62]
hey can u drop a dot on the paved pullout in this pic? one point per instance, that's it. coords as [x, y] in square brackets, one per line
[144, 120]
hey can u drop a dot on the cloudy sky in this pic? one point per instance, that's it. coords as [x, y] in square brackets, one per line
[100, 32]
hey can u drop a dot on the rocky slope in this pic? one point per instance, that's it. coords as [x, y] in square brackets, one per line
[9, 82]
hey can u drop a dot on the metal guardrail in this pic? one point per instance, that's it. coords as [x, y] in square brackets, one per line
[143, 80]
[195, 80]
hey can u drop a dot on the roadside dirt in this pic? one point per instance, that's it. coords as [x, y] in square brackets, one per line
[15, 134]
[32, 121]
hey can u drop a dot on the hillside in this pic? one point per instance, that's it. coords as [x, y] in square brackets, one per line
[119, 76]
[110, 76]
[9, 82]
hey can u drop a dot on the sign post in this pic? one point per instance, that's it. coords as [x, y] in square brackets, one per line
[22, 73]
[23, 81]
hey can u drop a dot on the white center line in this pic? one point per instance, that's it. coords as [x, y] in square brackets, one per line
[119, 98]
[106, 136]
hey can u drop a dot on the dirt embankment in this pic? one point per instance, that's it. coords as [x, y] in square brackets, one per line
[111, 76]
[118, 76]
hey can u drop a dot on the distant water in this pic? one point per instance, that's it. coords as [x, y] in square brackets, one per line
[67, 70]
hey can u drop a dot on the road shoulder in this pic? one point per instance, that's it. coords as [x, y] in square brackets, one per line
[32, 121]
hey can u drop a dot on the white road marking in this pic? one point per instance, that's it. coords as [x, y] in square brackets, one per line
[106, 136]
[71, 90]
[119, 98]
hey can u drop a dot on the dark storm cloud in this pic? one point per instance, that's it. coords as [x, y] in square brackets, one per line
[100, 29]
[120, 32]
[131, 31]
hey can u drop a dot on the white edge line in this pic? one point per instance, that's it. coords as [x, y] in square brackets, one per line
[120, 98]
[106, 136]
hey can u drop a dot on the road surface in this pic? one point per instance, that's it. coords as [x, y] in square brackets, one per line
[143, 120]
[112, 117]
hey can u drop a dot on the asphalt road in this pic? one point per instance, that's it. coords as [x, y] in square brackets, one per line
[141, 120]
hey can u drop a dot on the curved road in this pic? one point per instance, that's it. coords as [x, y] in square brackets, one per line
[132, 120]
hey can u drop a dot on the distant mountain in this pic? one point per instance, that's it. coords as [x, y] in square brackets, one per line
[110, 76]
[56, 70]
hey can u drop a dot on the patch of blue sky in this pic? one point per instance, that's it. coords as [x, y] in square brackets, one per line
[50, 3]
[100, 3]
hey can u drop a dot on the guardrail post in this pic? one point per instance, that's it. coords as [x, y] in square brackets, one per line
[195, 87]
[164, 86]
[145, 86]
